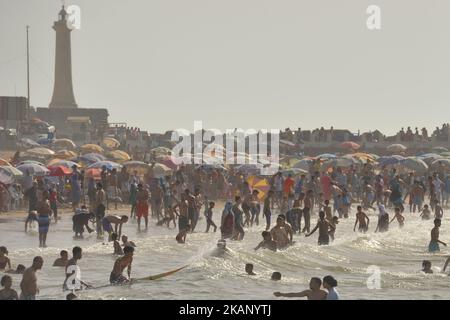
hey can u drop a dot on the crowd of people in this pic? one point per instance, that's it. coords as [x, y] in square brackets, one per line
[190, 192]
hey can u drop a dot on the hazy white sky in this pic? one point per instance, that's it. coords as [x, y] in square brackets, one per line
[161, 64]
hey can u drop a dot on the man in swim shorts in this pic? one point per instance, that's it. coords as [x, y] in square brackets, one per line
[121, 263]
[434, 242]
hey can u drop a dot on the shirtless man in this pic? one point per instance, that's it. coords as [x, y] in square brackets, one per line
[434, 242]
[314, 292]
[117, 221]
[324, 226]
[362, 219]
[28, 285]
[4, 260]
[308, 203]
[191, 208]
[326, 207]
[267, 242]
[62, 260]
[280, 234]
[142, 205]
[255, 208]
[399, 217]
[121, 263]
[77, 254]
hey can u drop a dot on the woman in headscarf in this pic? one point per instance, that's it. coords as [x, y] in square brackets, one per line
[383, 219]
[227, 225]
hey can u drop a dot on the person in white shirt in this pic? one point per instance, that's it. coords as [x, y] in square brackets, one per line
[330, 283]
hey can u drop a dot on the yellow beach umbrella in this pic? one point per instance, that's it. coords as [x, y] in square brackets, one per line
[119, 156]
[111, 143]
[60, 144]
[91, 148]
[260, 184]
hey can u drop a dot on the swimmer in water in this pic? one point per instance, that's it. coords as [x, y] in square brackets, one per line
[20, 270]
[181, 236]
[4, 260]
[399, 217]
[267, 242]
[313, 293]
[334, 222]
[426, 213]
[7, 293]
[362, 219]
[249, 269]
[121, 263]
[324, 226]
[77, 254]
[434, 242]
[438, 211]
[276, 276]
[62, 260]
[117, 248]
[28, 285]
[125, 242]
[426, 266]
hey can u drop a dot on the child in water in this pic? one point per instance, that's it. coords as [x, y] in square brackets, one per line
[267, 242]
[399, 217]
[438, 212]
[117, 248]
[426, 213]
[181, 236]
[426, 266]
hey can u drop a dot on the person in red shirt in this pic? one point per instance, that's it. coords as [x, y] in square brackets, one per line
[288, 185]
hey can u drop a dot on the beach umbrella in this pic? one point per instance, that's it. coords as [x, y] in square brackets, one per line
[260, 184]
[13, 171]
[139, 166]
[159, 170]
[326, 156]
[414, 164]
[304, 164]
[118, 156]
[5, 177]
[111, 143]
[339, 162]
[93, 173]
[289, 161]
[28, 143]
[65, 154]
[429, 158]
[63, 163]
[397, 147]
[59, 171]
[293, 172]
[34, 169]
[91, 158]
[390, 160]
[445, 154]
[64, 144]
[3, 162]
[91, 148]
[362, 156]
[167, 161]
[40, 152]
[9, 174]
[440, 149]
[31, 162]
[350, 145]
[441, 162]
[108, 164]
[45, 141]
[161, 151]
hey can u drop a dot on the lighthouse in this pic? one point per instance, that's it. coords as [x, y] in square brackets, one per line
[63, 97]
